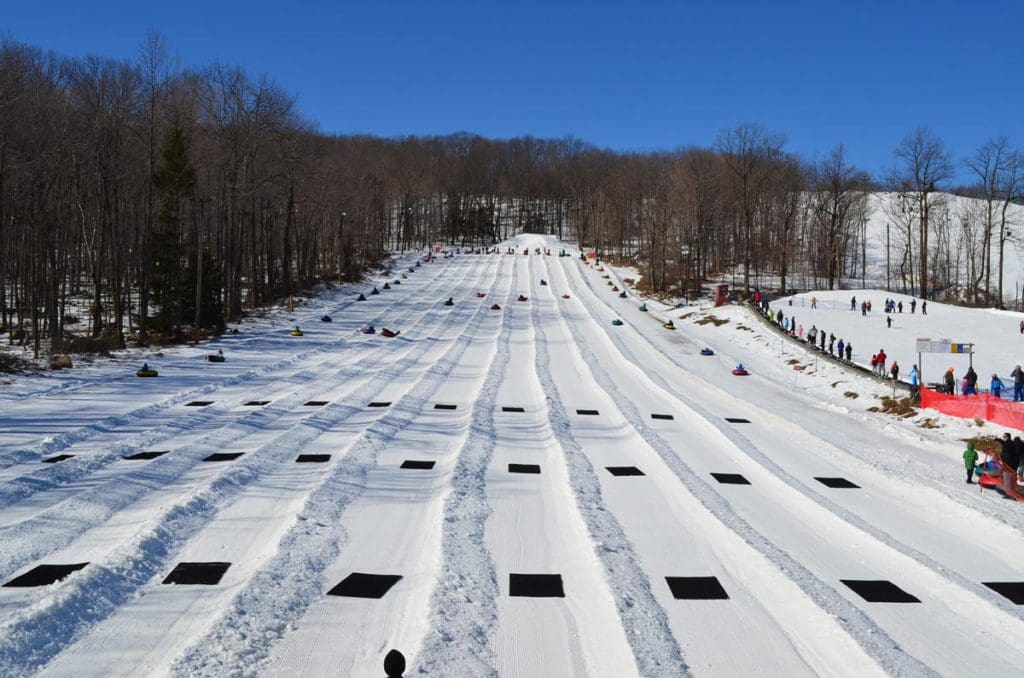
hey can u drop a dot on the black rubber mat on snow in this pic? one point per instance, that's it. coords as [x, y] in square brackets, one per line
[879, 591]
[1011, 590]
[441, 406]
[624, 471]
[524, 468]
[730, 478]
[58, 458]
[224, 456]
[199, 403]
[592, 413]
[512, 409]
[379, 404]
[696, 588]
[362, 585]
[667, 417]
[257, 403]
[837, 483]
[44, 575]
[737, 420]
[314, 403]
[149, 454]
[410, 463]
[313, 458]
[203, 574]
[536, 585]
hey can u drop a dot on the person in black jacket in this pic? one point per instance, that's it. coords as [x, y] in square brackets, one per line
[972, 382]
[1010, 458]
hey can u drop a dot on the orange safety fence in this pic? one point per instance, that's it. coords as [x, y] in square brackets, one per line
[982, 406]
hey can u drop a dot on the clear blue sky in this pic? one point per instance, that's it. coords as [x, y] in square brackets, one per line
[624, 75]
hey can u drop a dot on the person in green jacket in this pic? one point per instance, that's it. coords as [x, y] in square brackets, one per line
[970, 459]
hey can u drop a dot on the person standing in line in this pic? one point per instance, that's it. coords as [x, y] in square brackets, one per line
[841, 346]
[915, 379]
[849, 351]
[913, 305]
[996, 387]
[863, 308]
[949, 381]
[1009, 458]
[823, 340]
[895, 370]
[971, 377]
[853, 304]
[924, 307]
[1018, 384]
[899, 307]
[970, 459]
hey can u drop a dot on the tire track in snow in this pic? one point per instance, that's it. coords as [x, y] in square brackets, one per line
[463, 613]
[52, 476]
[646, 623]
[868, 634]
[281, 591]
[748, 447]
[33, 636]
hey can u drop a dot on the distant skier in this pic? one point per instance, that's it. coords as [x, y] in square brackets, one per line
[970, 459]
[888, 321]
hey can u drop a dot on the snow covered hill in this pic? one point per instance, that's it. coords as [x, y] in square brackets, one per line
[522, 491]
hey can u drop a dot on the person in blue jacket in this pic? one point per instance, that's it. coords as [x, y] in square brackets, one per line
[915, 380]
[996, 387]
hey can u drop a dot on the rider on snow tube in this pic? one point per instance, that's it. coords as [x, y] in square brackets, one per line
[740, 371]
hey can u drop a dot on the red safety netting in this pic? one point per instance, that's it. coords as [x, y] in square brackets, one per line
[982, 406]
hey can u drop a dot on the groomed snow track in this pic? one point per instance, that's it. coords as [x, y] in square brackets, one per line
[527, 491]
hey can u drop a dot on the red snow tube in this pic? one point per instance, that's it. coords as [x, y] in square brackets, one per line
[740, 373]
[521, 298]
[990, 481]
[495, 307]
[480, 295]
[565, 296]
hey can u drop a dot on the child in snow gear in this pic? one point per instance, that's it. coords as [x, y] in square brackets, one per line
[521, 298]
[325, 318]
[622, 295]
[669, 325]
[388, 333]
[217, 357]
[374, 291]
[706, 351]
[495, 307]
[617, 322]
[996, 387]
[740, 371]
[296, 332]
[361, 297]
[643, 308]
[543, 281]
[450, 302]
[146, 371]
[387, 286]
[949, 381]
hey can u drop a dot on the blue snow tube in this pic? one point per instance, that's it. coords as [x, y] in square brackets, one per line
[706, 351]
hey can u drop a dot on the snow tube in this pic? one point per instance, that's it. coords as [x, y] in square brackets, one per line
[706, 351]
[622, 294]
[296, 332]
[520, 298]
[146, 373]
[388, 333]
[990, 481]
[543, 281]
[361, 297]
[605, 275]
[566, 296]
[398, 282]
[669, 325]
[374, 291]
[405, 277]
[601, 268]
[740, 371]
[617, 322]
[387, 286]
[615, 288]
[609, 282]
[412, 270]
[368, 329]
[449, 302]
[643, 308]
[215, 358]
[325, 319]
[480, 295]
[495, 307]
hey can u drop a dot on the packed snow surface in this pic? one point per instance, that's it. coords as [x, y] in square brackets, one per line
[480, 448]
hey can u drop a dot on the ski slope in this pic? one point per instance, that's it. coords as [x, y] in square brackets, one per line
[662, 568]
